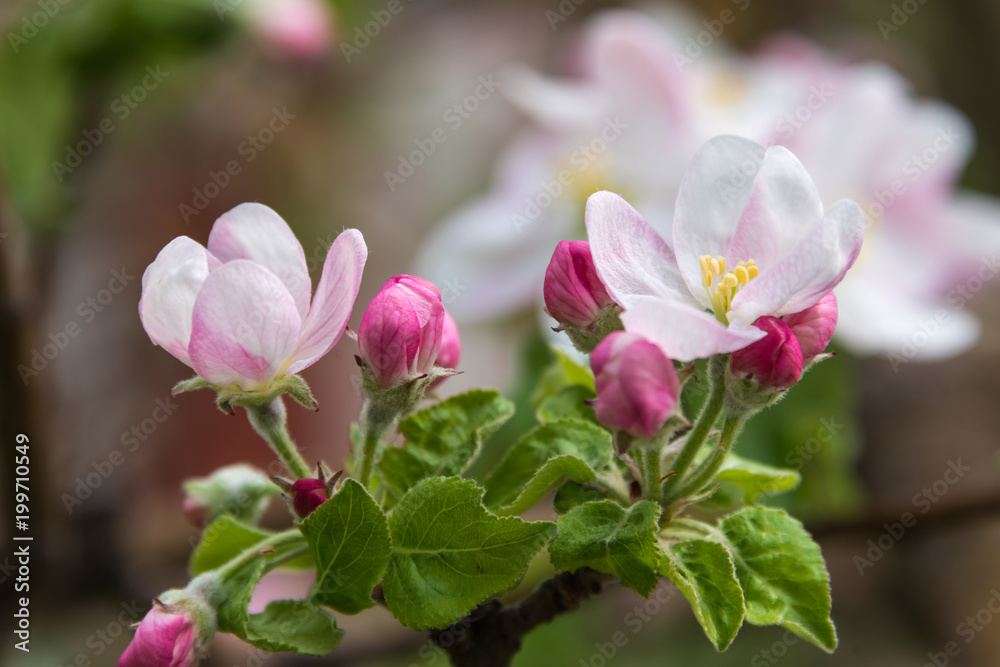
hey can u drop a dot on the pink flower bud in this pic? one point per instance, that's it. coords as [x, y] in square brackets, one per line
[814, 326]
[775, 361]
[451, 344]
[637, 387]
[574, 293]
[400, 332]
[308, 494]
[166, 637]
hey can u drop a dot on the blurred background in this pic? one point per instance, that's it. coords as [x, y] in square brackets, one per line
[126, 123]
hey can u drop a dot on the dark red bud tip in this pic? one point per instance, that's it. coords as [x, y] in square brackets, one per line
[308, 494]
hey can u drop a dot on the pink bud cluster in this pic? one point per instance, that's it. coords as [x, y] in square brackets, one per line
[406, 331]
[776, 362]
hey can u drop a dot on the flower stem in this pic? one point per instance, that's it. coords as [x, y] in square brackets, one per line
[275, 542]
[372, 439]
[706, 420]
[269, 421]
[652, 487]
[710, 466]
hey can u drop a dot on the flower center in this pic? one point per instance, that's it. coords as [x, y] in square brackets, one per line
[721, 285]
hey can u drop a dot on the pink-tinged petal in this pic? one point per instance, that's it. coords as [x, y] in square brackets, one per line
[632, 58]
[814, 326]
[784, 207]
[892, 322]
[631, 258]
[163, 639]
[451, 344]
[334, 299]
[573, 292]
[684, 332]
[169, 287]
[711, 200]
[400, 332]
[245, 326]
[809, 272]
[255, 232]
[637, 387]
[775, 361]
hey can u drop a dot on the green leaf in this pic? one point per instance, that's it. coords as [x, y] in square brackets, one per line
[588, 443]
[704, 573]
[572, 494]
[296, 626]
[757, 479]
[569, 403]
[449, 554]
[348, 537]
[443, 439]
[782, 573]
[224, 539]
[549, 476]
[611, 539]
[562, 372]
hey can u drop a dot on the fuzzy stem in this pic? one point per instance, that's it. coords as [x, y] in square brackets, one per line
[269, 421]
[249, 555]
[652, 486]
[710, 466]
[706, 420]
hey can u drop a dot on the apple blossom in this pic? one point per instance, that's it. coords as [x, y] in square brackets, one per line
[750, 238]
[176, 631]
[400, 332]
[240, 312]
[302, 28]
[637, 387]
[451, 344]
[814, 327]
[773, 363]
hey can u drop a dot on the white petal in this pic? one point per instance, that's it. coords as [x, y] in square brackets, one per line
[894, 323]
[712, 197]
[245, 326]
[807, 273]
[334, 300]
[255, 232]
[684, 332]
[631, 258]
[169, 287]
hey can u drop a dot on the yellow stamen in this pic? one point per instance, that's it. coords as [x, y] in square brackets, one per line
[721, 285]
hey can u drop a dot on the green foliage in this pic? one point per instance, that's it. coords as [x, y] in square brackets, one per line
[225, 539]
[443, 439]
[704, 573]
[530, 470]
[348, 537]
[449, 554]
[782, 573]
[611, 539]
